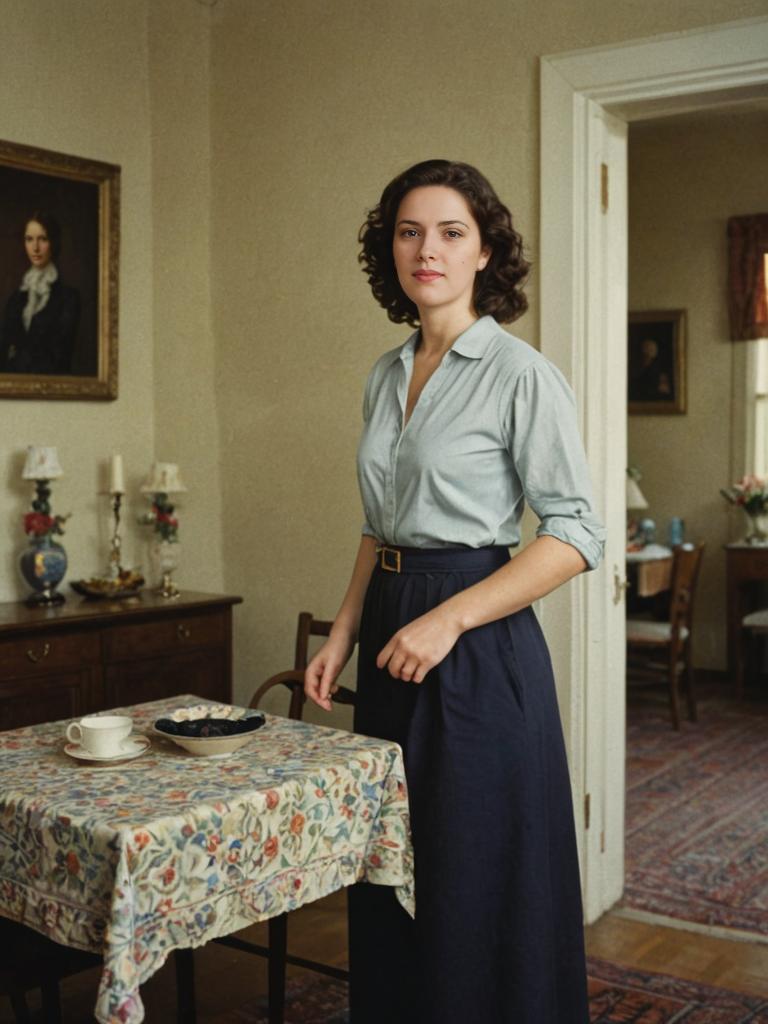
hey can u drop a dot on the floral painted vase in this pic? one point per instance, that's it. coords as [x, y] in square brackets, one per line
[757, 531]
[43, 566]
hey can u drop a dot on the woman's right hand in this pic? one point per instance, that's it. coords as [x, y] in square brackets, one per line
[325, 668]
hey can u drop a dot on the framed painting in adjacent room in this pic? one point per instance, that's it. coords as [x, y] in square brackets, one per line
[656, 362]
[59, 255]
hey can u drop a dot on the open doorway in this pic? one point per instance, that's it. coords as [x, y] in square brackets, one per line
[695, 795]
[588, 100]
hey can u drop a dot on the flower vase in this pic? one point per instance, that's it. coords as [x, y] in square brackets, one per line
[43, 565]
[757, 532]
[164, 556]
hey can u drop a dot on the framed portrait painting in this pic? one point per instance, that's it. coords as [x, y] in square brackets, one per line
[59, 249]
[656, 362]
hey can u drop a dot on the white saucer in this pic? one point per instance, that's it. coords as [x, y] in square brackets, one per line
[134, 746]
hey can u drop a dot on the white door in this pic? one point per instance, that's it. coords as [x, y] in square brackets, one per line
[584, 332]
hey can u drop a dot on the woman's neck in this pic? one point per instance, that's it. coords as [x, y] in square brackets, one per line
[440, 328]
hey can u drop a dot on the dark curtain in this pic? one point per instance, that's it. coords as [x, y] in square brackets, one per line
[747, 298]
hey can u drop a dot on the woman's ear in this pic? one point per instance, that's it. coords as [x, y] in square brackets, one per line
[485, 256]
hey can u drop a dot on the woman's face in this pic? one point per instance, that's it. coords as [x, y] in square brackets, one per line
[37, 244]
[438, 249]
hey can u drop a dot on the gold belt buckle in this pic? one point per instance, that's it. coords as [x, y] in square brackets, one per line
[383, 552]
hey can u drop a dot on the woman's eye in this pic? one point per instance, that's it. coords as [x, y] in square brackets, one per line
[408, 233]
[452, 233]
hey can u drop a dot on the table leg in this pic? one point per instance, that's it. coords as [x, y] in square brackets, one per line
[278, 947]
[184, 961]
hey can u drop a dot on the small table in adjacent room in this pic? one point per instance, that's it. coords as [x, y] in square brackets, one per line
[168, 851]
[649, 572]
[746, 564]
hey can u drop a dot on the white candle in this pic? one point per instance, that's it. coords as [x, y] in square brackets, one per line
[117, 481]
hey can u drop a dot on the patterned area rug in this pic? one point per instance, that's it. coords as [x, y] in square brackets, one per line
[697, 813]
[617, 995]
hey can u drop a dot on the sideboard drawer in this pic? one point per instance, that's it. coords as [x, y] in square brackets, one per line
[40, 655]
[166, 636]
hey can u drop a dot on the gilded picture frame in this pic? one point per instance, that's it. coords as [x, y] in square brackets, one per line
[656, 362]
[59, 267]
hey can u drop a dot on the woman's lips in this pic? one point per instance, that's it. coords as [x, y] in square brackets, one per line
[427, 275]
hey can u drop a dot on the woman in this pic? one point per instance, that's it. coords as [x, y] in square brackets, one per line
[462, 423]
[42, 315]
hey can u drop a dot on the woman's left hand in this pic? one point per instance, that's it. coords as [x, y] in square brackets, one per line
[419, 646]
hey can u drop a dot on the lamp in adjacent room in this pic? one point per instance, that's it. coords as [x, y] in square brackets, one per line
[164, 480]
[636, 502]
[44, 563]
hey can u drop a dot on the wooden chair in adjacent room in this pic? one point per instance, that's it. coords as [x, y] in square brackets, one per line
[276, 951]
[662, 650]
[754, 628]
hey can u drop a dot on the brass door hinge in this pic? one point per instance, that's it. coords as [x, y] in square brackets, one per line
[586, 810]
[604, 187]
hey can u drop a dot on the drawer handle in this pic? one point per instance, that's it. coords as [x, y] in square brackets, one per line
[183, 632]
[38, 657]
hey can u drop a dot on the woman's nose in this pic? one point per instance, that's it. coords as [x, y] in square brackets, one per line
[427, 250]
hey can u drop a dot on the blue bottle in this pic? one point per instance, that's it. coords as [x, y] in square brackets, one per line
[676, 533]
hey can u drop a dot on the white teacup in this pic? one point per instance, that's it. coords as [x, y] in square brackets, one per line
[101, 735]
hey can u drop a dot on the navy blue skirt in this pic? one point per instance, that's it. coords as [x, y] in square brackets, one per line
[498, 936]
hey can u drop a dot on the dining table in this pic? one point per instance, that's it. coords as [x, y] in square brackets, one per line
[136, 859]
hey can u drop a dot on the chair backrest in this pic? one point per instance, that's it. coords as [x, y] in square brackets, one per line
[686, 563]
[307, 627]
[293, 679]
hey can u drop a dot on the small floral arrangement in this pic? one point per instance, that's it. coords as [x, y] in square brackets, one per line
[162, 518]
[751, 493]
[41, 524]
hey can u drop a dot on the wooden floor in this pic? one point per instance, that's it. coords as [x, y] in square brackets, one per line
[227, 979]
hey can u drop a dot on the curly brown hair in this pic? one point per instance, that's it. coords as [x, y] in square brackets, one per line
[498, 288]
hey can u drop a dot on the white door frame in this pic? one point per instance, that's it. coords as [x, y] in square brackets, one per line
[587, 97]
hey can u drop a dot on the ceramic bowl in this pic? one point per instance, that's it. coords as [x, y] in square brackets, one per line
[204, 717]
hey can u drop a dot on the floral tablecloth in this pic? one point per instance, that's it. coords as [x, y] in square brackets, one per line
[171, 850]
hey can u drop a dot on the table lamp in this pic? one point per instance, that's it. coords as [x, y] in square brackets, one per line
[44, 563]
[635, 502]
[164, 479]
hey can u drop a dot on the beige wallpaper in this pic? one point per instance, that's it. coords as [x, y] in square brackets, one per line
[252, 137]
[314, 107]
[686, 177]
[125, 83]
[74, 80]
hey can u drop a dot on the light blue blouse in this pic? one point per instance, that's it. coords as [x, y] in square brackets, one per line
[494, 426]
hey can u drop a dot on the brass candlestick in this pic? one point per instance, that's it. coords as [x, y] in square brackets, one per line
[115, 544]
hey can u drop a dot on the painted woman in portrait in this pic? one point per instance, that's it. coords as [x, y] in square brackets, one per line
[41, 317]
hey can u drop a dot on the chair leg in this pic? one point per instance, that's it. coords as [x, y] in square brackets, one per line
[50, 1000]
[690, 688]
[184, 962]
[674, 703]
[278, 947]
[20, 1008]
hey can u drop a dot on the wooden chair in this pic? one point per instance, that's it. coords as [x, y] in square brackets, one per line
[277, 951]
[293, 679]
[754, 626]
[671, 638]
[31, 960]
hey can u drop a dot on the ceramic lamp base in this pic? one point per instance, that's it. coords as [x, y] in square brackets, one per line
[43, 566]
[44, 598]
[167, 588]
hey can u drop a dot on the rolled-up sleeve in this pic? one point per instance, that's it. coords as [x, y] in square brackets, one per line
[550, 462]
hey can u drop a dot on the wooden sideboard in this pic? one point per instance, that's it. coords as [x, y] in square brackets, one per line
[85, 656]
